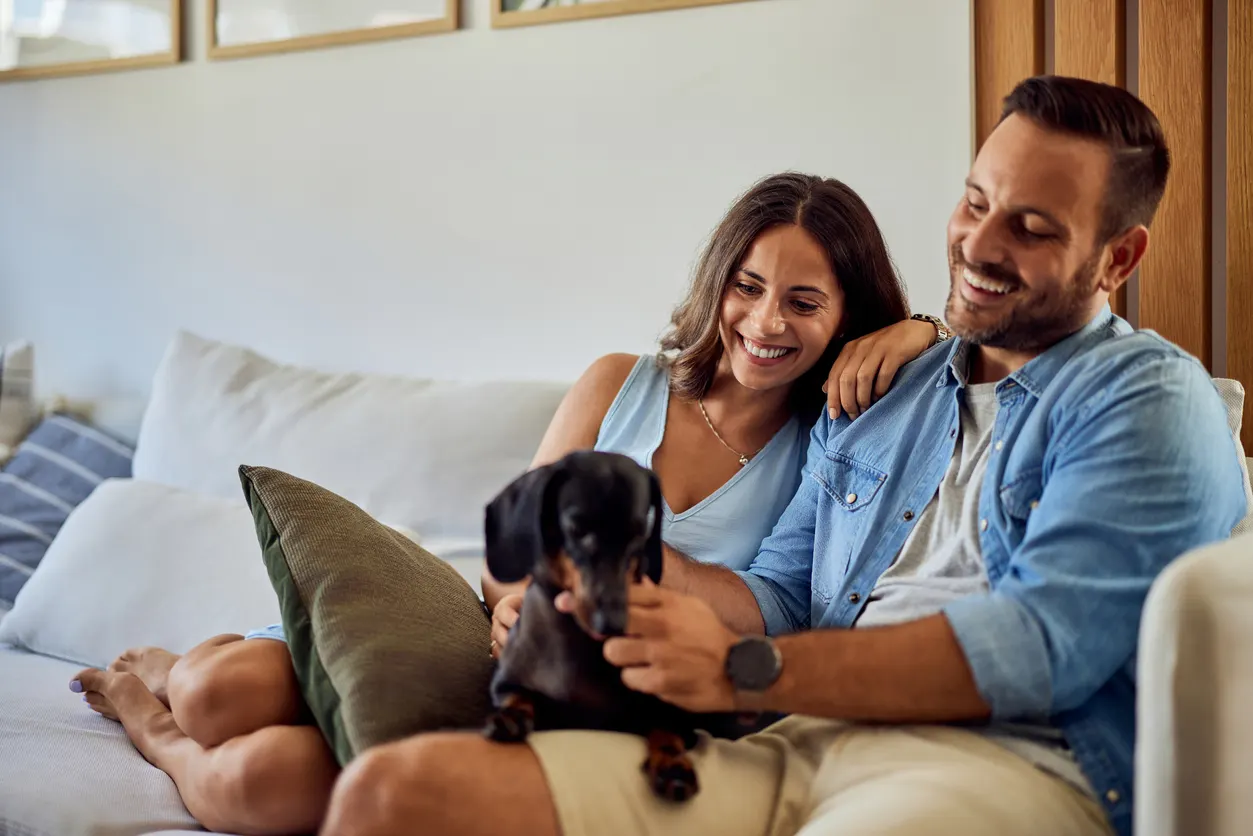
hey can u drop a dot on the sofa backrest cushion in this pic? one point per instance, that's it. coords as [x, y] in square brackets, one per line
[423, 454]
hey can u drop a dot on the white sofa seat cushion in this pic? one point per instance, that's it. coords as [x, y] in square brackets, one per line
[67, 771]
[424, 454]
[139, 563]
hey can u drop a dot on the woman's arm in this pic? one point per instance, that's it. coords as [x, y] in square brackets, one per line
[575, 426]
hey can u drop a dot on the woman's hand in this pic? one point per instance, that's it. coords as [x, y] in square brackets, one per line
[864, 371]
[503, 617]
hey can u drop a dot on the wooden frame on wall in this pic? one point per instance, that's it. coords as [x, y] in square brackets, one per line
[366, 31]
[159, 23]
[522, 13]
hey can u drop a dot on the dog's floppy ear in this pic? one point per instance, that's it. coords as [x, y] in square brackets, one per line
[518, 531]
[652, 548]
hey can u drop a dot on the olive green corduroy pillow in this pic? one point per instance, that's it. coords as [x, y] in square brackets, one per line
[387, 639]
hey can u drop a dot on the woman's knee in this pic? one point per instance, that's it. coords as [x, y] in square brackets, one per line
[277, 780]
[242, 687]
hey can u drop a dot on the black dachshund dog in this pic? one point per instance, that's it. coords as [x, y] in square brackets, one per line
[589, 524]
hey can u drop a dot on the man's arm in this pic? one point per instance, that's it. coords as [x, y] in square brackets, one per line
[1141, 468]
[718, 586]
[676, 648]
[908, 673]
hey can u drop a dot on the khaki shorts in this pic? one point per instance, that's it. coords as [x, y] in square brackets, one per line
[816, 777]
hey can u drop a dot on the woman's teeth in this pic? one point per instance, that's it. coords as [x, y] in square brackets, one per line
[763, 353]
[987, 285]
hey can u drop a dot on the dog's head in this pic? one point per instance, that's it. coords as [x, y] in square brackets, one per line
[589, 523]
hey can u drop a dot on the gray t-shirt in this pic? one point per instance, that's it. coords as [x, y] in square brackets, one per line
[942, 561]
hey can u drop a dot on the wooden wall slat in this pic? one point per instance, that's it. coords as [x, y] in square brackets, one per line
[1175, 282]
[1240, 202]
[1009, 46]
[1089, 41]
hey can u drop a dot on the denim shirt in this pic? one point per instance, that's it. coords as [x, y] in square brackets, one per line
[1111, 456]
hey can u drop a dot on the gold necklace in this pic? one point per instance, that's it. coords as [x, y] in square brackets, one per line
[743, 459]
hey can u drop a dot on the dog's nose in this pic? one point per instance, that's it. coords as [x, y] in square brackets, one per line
[609, 623]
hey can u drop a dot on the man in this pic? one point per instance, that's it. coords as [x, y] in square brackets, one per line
[955, 591]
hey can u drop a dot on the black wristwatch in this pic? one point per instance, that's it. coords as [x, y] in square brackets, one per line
[753, 664]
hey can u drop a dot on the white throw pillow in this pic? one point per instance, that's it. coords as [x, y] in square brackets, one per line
[139, 563]
[425, 454]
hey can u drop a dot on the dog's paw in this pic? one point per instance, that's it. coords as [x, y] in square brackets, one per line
[669, 769]
[509, 725]
[671, 777]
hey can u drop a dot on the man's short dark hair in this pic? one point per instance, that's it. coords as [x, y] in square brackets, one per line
[1125, 125]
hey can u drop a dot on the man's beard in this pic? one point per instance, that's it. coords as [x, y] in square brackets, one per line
[1036, 321]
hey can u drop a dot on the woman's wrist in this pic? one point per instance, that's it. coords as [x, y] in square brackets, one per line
[942, 331]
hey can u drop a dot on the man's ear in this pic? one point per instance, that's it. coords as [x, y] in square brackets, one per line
[1126, 251]
[517, 525]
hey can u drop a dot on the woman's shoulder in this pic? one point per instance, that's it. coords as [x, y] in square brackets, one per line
[605, 377]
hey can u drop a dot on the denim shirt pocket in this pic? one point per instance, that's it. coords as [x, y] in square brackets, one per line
[1019, 497]
[849, 482]
[852, 486]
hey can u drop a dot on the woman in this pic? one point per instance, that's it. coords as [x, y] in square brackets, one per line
[795, 271]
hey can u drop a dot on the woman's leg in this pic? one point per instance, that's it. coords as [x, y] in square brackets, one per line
[222, 688]
[274, 780]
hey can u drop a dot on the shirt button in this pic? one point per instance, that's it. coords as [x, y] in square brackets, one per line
[909, 515]
[852, 497]
[1112, 796]
[983, 525]
[854, 598]
[1000, 444]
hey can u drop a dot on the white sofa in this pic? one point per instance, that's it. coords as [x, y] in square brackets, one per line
[169, 557]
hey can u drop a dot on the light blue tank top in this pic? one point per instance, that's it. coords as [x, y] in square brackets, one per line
[728, 525]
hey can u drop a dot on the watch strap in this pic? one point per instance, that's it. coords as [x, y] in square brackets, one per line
[942, 331]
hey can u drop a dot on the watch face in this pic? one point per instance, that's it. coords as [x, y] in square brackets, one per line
[753, 664]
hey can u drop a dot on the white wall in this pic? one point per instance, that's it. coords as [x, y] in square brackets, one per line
[479, 204]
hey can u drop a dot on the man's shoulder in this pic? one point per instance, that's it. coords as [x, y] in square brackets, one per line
[1127, 361]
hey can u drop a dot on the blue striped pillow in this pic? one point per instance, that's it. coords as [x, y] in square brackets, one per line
[54, 469]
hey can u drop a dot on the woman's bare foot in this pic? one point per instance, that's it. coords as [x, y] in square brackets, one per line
[122, 696]
[152, 665]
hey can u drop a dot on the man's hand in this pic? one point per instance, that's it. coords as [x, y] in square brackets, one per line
[675, 648]
[503, 617]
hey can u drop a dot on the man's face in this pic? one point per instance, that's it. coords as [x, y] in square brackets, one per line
[1025, 265]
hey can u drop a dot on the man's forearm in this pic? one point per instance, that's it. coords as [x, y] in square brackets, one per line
[914, 672]
[718, 586]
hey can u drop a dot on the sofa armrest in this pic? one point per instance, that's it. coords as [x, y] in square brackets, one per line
[1194, 726]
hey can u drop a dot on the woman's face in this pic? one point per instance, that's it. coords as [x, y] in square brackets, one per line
[780, 310]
